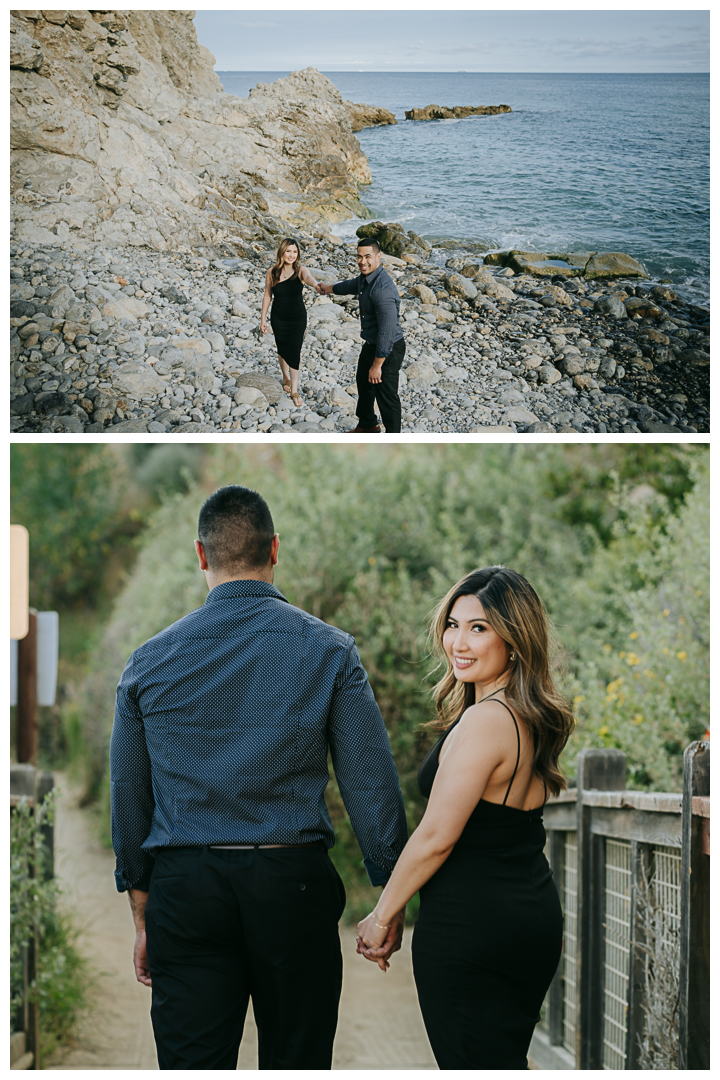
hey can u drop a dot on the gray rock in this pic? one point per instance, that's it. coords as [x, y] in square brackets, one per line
[45, 403]
[270, 387]
[457, 285]
[696, 357]
[21, 406]
[518, 414]
[138, 380]
[492, 427]
[541, 426]
[127, 426]
[173, 295]
[70, 425]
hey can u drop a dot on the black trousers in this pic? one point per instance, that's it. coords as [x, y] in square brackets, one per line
[384, 392]
[226, 926]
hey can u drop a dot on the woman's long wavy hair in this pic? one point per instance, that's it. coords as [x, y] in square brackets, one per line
[277, 268]
[515, 612]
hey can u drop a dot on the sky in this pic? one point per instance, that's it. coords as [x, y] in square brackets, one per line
[572, 40]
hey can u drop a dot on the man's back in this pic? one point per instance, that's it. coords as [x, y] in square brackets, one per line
[222, 729]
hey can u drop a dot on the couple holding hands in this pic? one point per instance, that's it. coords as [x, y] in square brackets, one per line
[383, 350]
[219, 763]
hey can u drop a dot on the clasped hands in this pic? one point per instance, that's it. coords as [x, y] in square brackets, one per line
[323, 289]
[378, 943]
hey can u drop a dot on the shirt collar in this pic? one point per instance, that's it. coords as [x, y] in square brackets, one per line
[375, 274]
[243, 587]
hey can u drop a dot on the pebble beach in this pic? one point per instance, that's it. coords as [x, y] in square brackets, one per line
[129, 340]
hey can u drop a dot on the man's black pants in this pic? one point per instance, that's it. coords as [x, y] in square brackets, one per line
[226, 925]
[385, 392]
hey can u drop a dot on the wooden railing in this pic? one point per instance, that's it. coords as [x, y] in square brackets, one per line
[616, 855]
[30, 786]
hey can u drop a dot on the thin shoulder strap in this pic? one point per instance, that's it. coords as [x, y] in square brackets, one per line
[517, 732]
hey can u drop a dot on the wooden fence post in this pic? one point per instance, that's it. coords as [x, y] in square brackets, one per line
[694, 1052]
[26, 712]
[599, 770]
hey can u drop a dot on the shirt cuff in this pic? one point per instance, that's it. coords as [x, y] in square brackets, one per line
[375, 873]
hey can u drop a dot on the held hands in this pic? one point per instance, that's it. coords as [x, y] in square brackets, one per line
[263, 326]
[377, 943]
[323, 289]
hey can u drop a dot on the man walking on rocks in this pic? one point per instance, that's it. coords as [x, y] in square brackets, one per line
[382, 354]
[218, 765]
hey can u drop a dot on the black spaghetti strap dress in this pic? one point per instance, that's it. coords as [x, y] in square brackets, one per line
[288, 318]
[489, 936]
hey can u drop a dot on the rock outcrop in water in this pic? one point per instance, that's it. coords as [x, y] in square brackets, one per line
[364, 116]
[393, 240]
[458, 112]
[122, 134]
[588, 264]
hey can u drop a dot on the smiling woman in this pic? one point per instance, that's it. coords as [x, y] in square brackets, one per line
[488, 905]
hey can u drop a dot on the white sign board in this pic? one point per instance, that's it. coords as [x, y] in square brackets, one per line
[48, 639]
[19, 578]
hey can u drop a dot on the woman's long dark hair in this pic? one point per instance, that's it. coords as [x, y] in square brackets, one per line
[515, 612]
[279, 261]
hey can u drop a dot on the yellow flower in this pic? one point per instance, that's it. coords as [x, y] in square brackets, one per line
[666, 612]
[633, 635]
[622, 655]
[372, 560]
[698, 592]
[603, 730]
[681, 655]
[632, 659]
[637, 719]
[613, 687]
[607, 648]
[578, 699]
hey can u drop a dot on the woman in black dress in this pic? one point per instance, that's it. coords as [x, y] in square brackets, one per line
[489, 936]
[283, 287]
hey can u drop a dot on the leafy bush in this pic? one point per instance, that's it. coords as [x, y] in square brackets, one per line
[61, 986]
[371, 537]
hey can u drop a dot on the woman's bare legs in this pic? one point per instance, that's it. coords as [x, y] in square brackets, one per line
[294, 378]
[285, 374]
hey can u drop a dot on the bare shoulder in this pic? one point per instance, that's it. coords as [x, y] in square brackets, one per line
[488, 719]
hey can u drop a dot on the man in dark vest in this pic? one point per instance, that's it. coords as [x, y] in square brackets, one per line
[382, 354]
[218, 763]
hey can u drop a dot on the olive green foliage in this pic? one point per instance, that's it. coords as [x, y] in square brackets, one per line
[61, 986]
[372, 537]
[70, 503]
[640, 682]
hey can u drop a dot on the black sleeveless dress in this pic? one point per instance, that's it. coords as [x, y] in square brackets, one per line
[489, 936]
[288, 317]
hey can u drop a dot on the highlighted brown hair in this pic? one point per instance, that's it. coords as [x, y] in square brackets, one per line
[280, 258]
[515, 612]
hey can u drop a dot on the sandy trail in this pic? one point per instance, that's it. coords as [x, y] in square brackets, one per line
[380, 1026]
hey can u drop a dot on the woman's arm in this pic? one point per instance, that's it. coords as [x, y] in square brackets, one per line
[482, 741]
[307, 279]
[266, 301]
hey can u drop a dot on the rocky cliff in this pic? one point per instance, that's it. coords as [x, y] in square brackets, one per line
[122, 134]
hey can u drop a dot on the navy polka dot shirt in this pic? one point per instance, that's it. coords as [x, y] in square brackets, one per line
[223, 723]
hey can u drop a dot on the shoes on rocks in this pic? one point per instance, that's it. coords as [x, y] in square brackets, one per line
[365, 430]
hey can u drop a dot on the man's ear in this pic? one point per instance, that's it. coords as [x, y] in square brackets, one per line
[274, 549]
[200, 551]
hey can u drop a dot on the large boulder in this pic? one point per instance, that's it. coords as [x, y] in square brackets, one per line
[614, 264]
[392, 238]
[457, 285]
[268, 386]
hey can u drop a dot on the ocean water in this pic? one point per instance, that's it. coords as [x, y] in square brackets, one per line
[582, 163]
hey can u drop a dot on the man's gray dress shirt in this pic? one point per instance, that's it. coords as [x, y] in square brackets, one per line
[379, 308]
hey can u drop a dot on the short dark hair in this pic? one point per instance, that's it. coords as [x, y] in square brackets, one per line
[369, 242]
[236, 529]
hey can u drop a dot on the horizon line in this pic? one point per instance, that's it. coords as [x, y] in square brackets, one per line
[425, 71]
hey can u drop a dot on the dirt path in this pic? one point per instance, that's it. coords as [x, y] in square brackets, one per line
[380, 1025]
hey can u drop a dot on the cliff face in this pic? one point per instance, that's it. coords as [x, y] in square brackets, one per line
[122, 134]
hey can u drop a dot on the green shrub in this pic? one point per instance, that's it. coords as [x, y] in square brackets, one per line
[371, 537]
[61, 986]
